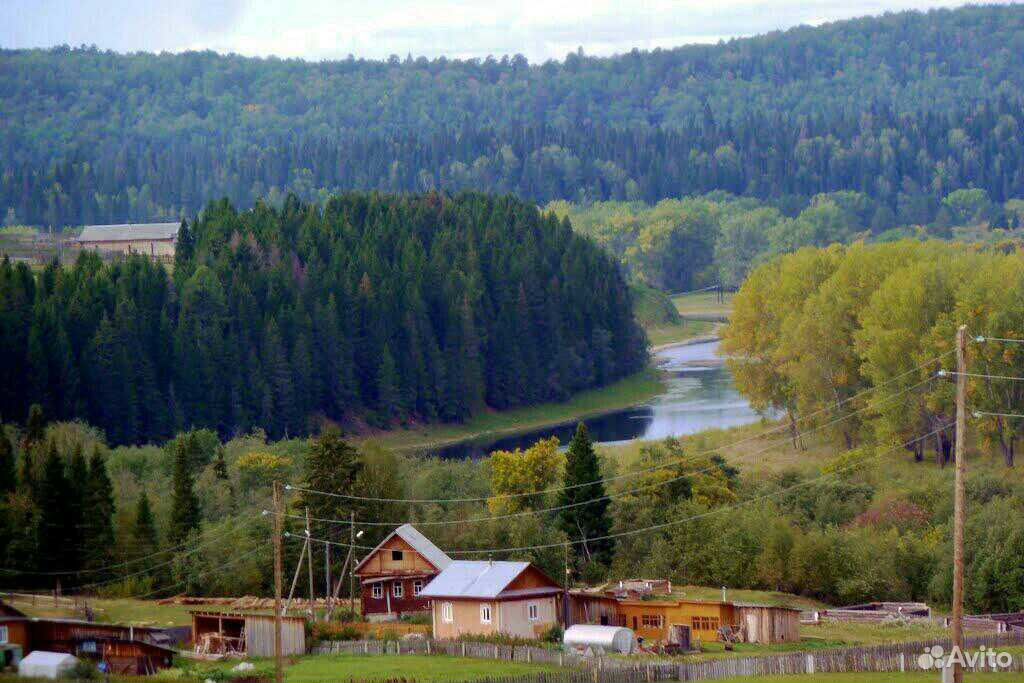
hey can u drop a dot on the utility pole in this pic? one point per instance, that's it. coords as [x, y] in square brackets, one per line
[566, 610]
[352, 565]
[959, 496]
[278, 571]
[309, 562]
[327, 581]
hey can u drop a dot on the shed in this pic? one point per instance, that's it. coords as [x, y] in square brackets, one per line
[251, 634]
[599, 640]
[594, 607]
[42, 664]
[768, 625]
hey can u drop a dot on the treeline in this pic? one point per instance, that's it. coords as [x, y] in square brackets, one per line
[679, 245]
[906, 162]
[369, 309]
[905, 108]
[862, 331]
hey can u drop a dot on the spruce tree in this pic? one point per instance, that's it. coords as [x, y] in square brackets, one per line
[7, 475]
[332, 465]
[78, 490]
[144, 538]
[53, 497]
[220, 465]
[587, 520]
[98, 536]
[35, 427]
[185, 512]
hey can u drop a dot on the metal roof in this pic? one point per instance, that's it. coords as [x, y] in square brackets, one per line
[129, 231]
[420, 543]
[473, 579]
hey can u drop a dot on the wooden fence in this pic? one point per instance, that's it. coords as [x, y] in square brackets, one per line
[874, 659]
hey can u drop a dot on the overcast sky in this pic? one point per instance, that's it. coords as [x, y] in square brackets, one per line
[332, 29]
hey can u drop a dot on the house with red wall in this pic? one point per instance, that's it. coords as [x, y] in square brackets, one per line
[392, 575]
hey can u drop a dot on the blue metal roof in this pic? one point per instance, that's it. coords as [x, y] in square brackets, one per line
[473, 579]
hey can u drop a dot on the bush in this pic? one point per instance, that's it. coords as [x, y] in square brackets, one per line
[554, 634]
[335, 631]
[83, 670]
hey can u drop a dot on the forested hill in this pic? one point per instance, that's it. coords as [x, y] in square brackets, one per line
[371, 308]
[904, 107]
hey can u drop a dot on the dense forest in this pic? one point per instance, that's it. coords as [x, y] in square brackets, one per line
[369, 309]
[905, 108]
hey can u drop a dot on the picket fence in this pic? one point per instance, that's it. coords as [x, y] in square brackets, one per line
[869, 659]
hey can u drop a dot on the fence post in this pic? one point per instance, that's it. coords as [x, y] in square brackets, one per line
[903, 662]
[810, 663]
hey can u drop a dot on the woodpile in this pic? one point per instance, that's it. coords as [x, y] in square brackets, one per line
[245, 603]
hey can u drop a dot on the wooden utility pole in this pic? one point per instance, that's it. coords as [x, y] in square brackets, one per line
[278, 571]
[352, 565]
[327, 581]
[309, 562]
[959, 496]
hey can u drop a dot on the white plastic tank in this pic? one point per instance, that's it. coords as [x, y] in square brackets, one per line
[599, 640]
[40, 664]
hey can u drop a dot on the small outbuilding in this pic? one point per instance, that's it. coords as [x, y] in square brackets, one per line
[767, 625]
[42, 664]
[592, 639]
[250, 634]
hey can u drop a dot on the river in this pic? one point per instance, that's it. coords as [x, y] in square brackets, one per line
[699, 394]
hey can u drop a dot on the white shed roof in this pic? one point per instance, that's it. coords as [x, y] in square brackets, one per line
[420, 543]
[473, 579]
[42, 664]
[129, 231]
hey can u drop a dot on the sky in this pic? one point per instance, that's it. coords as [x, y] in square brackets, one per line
[376, 29]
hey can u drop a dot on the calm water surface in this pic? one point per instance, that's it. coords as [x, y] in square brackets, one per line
[699, 394]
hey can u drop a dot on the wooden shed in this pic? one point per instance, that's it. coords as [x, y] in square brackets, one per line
[767, 625]
[592, 607]
[250, 634]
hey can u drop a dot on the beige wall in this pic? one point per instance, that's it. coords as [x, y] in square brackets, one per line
[510, 617]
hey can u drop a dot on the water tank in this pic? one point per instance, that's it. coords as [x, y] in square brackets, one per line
[599, 640]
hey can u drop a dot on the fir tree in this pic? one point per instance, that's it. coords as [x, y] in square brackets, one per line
[53, 497]
[332, 465]
[7, 473]
[185, 512]
[220, 465]
[586, 520]
[144, 538]
[98, 514]
[35, 427]
[77, 504]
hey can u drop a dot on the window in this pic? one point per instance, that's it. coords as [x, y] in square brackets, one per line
[417, 586]
[446, 613]
[485, 614]
[705, 623]
[398, 589]
[378, 591]
[397, 555]
[651, 620]
[532, 612]
[3, 634]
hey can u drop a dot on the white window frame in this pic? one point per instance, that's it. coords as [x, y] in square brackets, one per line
[377, 591]
[398, 589]
[447, 612]
[417, 586]
[485, 614]
[4, 634]
[533, 611]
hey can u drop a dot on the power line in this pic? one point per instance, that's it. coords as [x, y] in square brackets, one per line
[610, 496]
[983, 339]
[954, 373]
[633, 473]
[667, 524]
[95, 570]
[981, 413]
[210, 570]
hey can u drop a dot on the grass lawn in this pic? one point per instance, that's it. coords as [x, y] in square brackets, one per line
[877, 678]
[684, 330]
[704, 304]
[114, 611]
[627, 392]
[421, 668]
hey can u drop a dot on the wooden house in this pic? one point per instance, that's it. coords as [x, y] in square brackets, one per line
[490, 598]
[156, 240]
[250, 634]
[130, 650]
[681, 622]
[392, 575]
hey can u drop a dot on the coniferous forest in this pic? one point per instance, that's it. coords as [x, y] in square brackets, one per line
[905, 108]
[368, 309]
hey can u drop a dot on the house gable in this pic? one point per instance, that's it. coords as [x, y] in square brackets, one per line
[384, 560]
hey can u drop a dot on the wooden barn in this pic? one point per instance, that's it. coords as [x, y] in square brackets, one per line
[250, 634]
[394, 573]
[594, 607]
[129, 650]
[156, 240]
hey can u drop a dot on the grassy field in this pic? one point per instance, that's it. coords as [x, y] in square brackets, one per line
[877, 678]
[684, 330]
[422, 669]
[704, 304]
[630, 391]
[119, 611]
